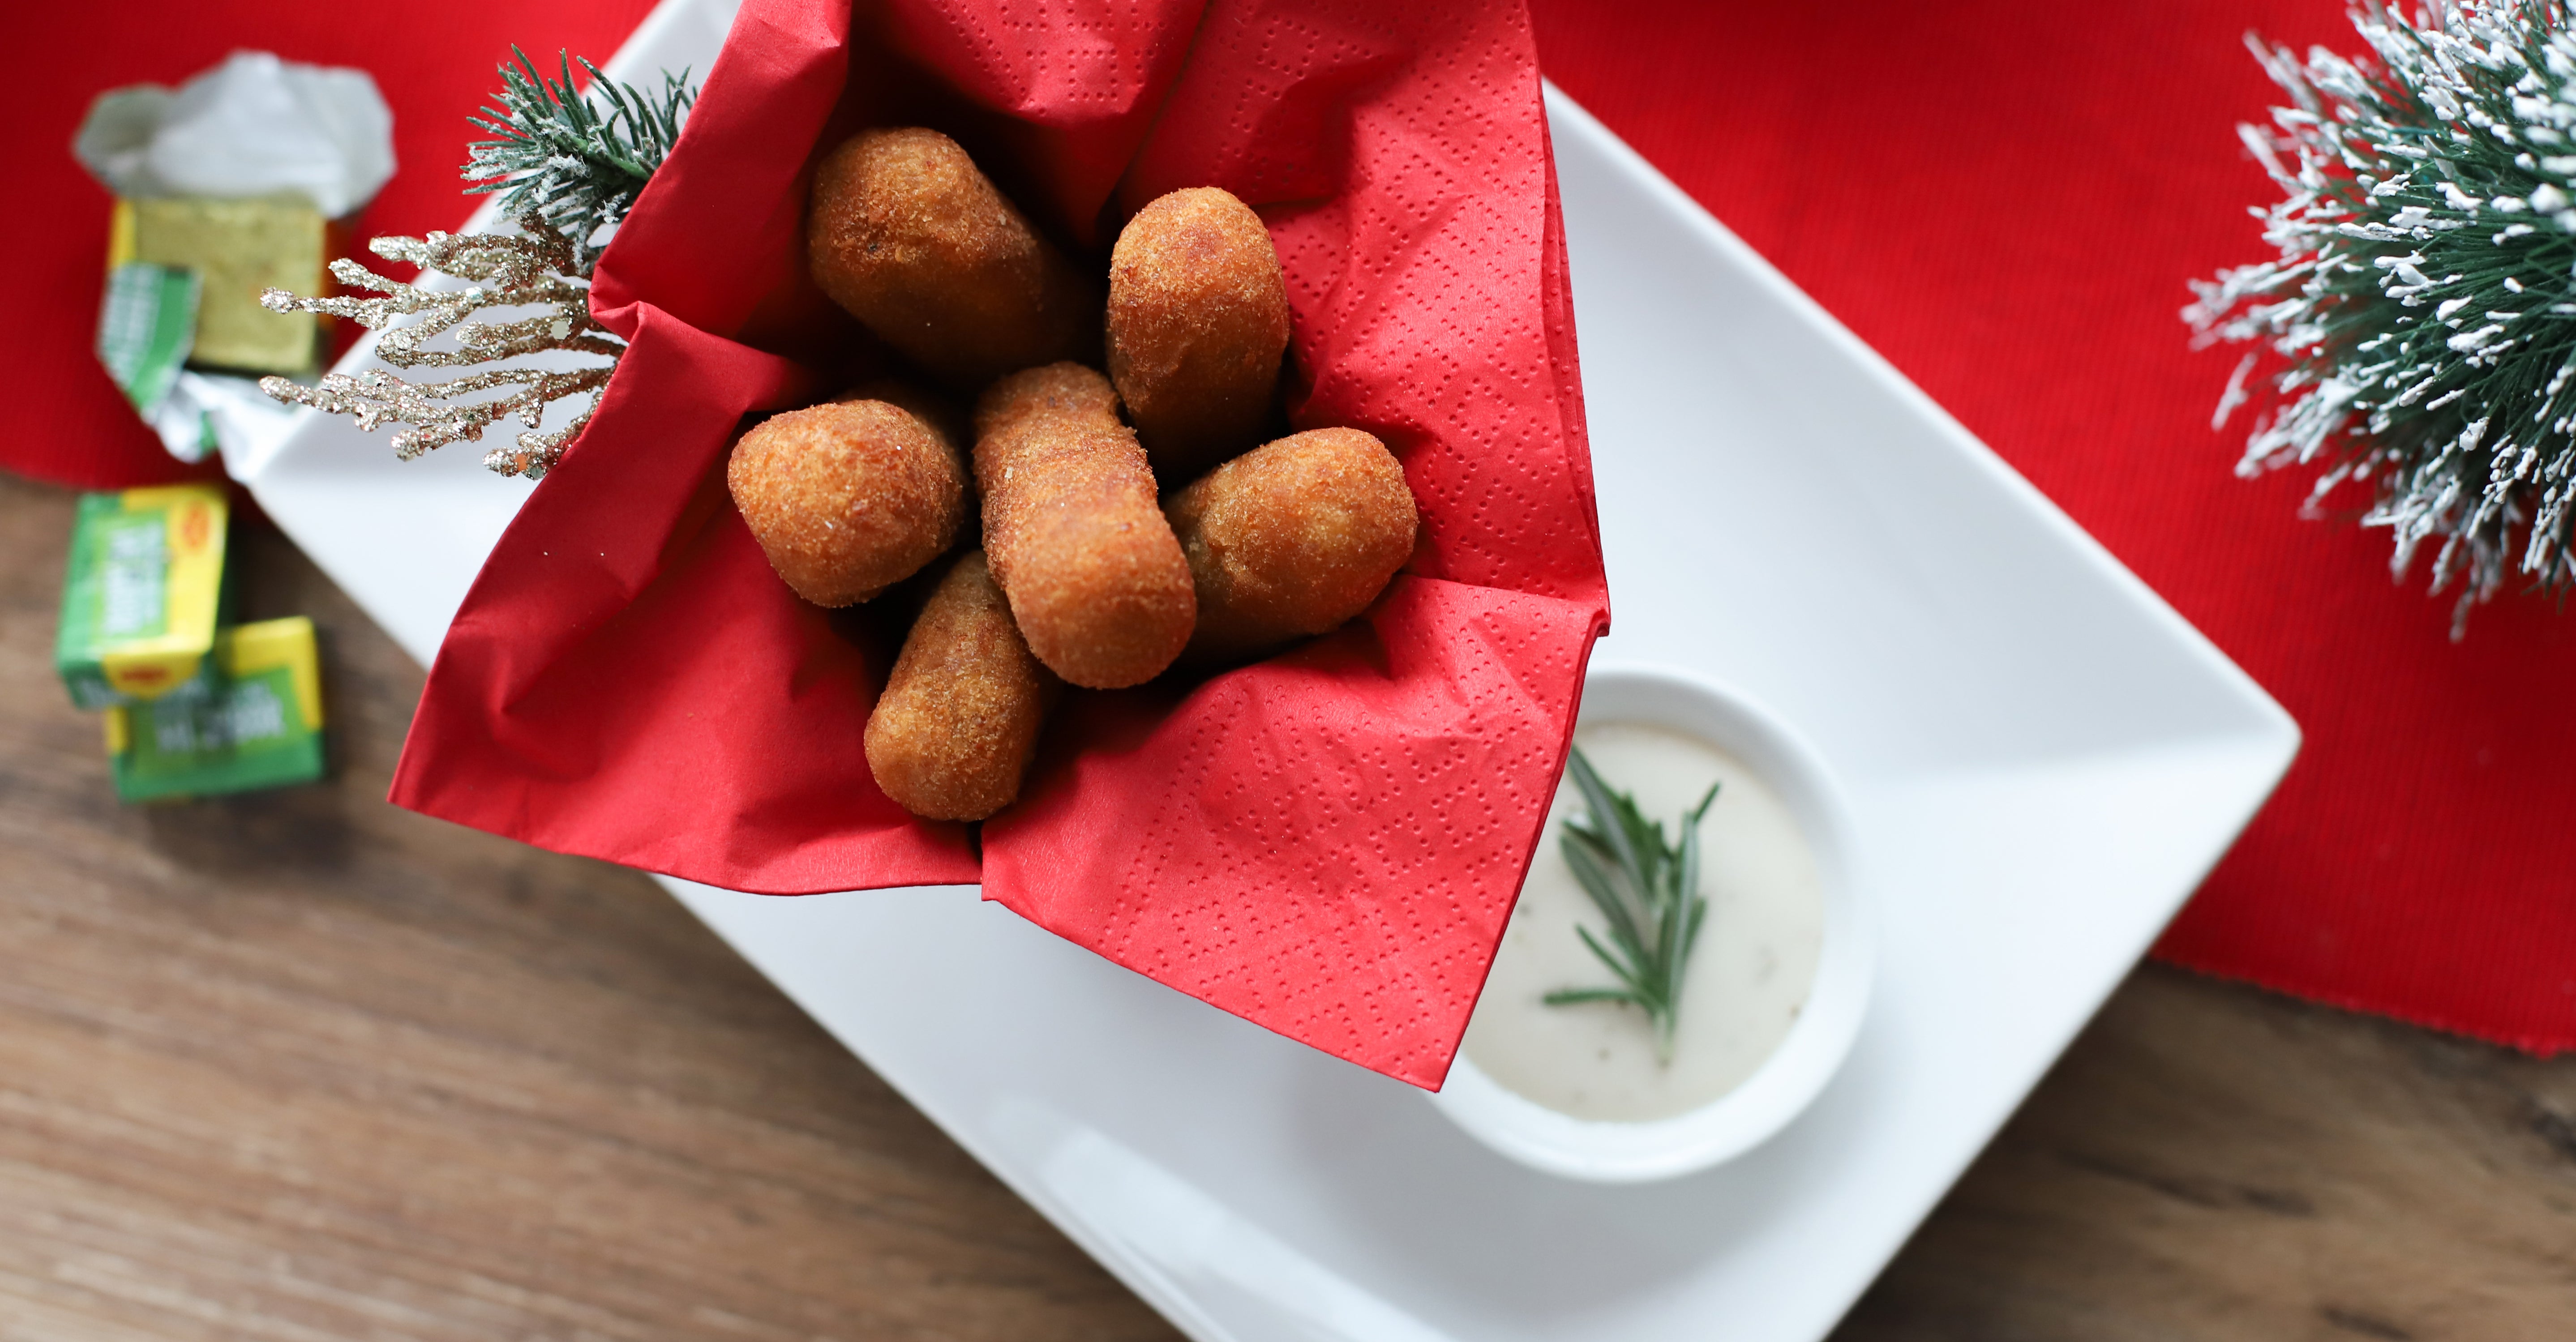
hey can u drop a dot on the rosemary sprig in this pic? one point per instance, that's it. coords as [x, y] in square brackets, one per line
[1648, 893]
[575, 164]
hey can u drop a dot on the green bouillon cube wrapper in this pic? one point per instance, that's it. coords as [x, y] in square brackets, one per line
[146, 327]
[252, 718]
[142, 593]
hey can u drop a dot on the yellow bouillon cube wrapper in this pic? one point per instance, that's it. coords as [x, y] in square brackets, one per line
[142, 594]
[237, 248]
[252, 718]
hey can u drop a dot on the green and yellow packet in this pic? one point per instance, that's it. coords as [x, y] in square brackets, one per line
[252, 718]
[146, 327]
[143, 593]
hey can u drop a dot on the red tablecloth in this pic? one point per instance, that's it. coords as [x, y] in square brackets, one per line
[2003, 197]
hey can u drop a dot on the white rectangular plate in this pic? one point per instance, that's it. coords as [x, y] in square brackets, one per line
[2044, 757]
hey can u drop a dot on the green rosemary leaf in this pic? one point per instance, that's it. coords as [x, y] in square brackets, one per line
[1571, 996]
[1683, 904]
[1603, 887]
[1622, 967]
[1601, 806]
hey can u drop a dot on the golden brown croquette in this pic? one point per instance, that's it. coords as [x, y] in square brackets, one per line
[1065, 392]
[1093, 573]
[1291, 539]
[910, 236]
[954, 732]
[1198, 320]
[848, 499]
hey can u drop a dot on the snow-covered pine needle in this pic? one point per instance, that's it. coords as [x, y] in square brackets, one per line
[2419, 325]
[578, 162]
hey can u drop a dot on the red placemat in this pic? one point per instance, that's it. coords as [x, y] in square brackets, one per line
[2005, 198]
[70, 423]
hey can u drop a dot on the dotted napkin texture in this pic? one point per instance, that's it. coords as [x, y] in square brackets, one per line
[1326, 843]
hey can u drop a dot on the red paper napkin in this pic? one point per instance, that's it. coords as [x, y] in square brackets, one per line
[2005, 199]
[1327, 843]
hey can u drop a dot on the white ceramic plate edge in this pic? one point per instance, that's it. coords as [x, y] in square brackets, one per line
[1137, 1275]
[1564, 113]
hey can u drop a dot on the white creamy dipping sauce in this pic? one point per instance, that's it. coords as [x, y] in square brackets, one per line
[1748, 976]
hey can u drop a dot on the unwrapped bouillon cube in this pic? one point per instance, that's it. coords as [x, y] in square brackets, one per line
[237, 248]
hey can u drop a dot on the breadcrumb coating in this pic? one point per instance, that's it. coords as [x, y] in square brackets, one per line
[1094, 575]
[848, 499]
[1067, 392]
[943, 415]
[1292, 539]
[909, 236]
[1197, 323]
[953, 734]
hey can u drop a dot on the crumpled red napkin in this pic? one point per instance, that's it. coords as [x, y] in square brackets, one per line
[1327, 843]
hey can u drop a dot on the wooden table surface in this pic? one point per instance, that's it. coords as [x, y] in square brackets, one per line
[300, 1066]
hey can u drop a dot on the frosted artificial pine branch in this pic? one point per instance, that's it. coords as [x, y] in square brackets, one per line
[504, 271]
[567, 173]
[577, 162]
[2418, 331]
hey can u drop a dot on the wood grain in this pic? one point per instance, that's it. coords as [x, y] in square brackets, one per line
[300, 1066]
[2214, 1163]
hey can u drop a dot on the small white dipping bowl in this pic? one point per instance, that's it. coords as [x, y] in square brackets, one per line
[1742, 1118]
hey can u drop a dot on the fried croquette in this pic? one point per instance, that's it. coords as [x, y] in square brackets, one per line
[943, 415]
[1093, 574]
[1060, 392]
[908, 235]
[1291, 539]
[952, 736]
[1198, 320]
[848, 499]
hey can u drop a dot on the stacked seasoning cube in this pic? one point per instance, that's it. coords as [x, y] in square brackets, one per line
[193, 704]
